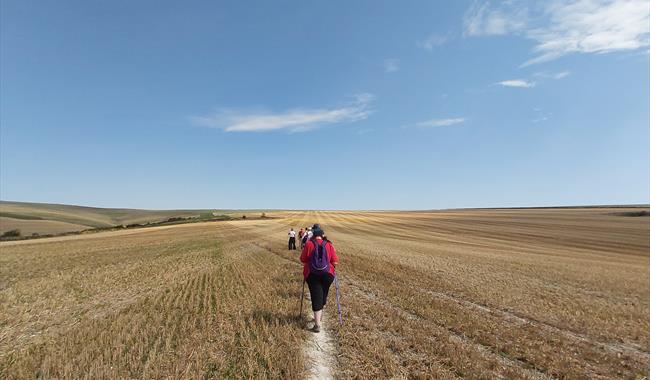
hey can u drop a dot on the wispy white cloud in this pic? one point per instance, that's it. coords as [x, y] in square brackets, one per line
[540, 116]
[391, 65]
[521, 83]
[592, 26]
[543, 75]
[432, 41]
[440, 122]
[561, 75]
[294, 120]
[540, 78]
[484, 20]
[561, 27]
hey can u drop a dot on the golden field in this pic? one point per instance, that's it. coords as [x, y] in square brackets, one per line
[477, 294]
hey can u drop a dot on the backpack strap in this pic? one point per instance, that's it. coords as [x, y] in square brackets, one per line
[318, 248]
[325, 247]
[322, 246]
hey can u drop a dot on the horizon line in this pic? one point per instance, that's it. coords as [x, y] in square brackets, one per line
[361, 210]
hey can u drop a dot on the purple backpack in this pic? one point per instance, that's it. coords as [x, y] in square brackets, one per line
[319, 262]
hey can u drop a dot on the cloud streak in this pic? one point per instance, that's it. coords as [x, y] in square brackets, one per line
[561, 75]
[293, 120]
[432, 41]
[483, 20]
[391, 65]
[520, 83]
[558, 75]
[440, 122]
[564, 27]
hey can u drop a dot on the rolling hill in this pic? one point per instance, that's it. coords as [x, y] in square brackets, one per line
[45, 218]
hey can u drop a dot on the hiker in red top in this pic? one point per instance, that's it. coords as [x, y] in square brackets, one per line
[319, 259]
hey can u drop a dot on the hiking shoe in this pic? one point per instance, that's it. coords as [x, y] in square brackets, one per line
[315, 329]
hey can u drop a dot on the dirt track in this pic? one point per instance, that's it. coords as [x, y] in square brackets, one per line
[474, 294]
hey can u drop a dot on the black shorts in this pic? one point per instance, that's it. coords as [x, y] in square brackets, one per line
[319, 286]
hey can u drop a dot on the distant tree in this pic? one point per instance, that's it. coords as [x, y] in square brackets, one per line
[263, 215]
[12, 233]
[243, 217]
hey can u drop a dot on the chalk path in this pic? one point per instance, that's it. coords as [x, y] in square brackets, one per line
[320, 355]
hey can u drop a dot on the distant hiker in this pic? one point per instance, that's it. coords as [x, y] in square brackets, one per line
[300, 233]
[313, 228]
[305, 237]
[292, 240]
[319, 259]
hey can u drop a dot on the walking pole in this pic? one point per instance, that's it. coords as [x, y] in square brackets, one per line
[338, 300]
[302, 295]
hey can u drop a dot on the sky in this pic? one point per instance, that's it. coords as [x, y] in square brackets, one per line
[325, 105]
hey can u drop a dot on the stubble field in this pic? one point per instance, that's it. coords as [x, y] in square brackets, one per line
[536, 293]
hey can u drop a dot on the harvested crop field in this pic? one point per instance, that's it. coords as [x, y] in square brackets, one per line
[529, 293]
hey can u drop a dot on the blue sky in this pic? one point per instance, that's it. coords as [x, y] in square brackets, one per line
[325, 105]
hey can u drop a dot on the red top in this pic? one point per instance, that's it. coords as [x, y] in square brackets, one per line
[310, 247]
